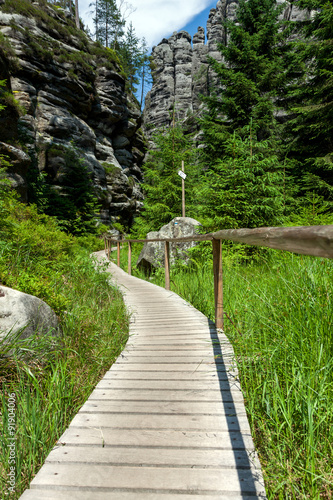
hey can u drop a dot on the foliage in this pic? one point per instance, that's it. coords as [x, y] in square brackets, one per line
[52, 379]
[245, 188]
[163, 186]
[8, 52]
[310, 132]
[130, 55]
[73, 200]
[54, 20]
[109, 22]
[252, 69]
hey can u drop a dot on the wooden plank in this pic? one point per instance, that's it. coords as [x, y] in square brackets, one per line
[167, 264]
[166, 408]
[157, 438]
[169, 480]
[86, 494]
[149, 456]
[162, 422]
[167, 395]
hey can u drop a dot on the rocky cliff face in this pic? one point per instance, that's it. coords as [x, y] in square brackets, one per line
[181, 71]
[64, 91]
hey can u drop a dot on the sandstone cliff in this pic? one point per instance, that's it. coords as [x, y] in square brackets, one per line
[64, 91]
[181, 71]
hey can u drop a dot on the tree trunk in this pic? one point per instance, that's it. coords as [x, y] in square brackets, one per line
[143, 84]
[77, 19]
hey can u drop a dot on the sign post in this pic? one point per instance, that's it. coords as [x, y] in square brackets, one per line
[182, 174]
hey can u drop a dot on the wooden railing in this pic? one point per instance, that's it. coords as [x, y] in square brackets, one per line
[306, 240]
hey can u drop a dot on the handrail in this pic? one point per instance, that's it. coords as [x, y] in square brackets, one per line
[306, 240]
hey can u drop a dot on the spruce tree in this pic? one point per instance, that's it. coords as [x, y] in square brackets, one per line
[310, 133]
[245, 187]
[244, 179]
[252, 72]
[129, 52]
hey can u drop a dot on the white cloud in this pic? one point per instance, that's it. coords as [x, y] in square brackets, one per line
[155, 19]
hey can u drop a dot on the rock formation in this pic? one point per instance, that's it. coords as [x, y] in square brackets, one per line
[24, 315]
[182, 72]
[63, 91]
[152, 254]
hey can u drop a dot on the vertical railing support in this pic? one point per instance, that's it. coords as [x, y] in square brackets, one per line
[218, 282]
[109, 248]
[183, 191]
[118, 253]
[167, 264]
[129, 258]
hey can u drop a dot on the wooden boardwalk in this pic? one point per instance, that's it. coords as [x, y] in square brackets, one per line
[166, 422]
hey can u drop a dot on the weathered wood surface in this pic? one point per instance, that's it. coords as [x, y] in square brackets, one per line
[167, 421]
[305, 240]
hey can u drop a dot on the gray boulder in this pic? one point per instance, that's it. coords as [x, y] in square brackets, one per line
[152, 254]
[25, 315]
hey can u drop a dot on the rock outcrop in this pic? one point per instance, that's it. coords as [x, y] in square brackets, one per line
[182, 72]
[64, 91]
[23, 315]
[152, 254]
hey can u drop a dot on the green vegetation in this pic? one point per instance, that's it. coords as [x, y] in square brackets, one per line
[72, 201]
[163, 185]
[264, 152]
[310, 101]
[52, 379]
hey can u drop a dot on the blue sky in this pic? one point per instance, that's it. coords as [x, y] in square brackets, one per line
[157, 19]
[199, 20]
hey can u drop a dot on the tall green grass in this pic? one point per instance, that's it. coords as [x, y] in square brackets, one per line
[49, 379]
[280, 322]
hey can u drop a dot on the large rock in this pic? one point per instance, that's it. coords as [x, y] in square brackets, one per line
[67, 90]
[152, 254]
[25, 315]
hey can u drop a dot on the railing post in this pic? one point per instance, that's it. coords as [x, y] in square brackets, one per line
[167, 264]
[129, 258]
[218, 282]
[118, 253]
[109, 248]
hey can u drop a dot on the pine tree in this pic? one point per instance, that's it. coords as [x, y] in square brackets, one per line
[75, 205]
[245, 187]
[108, 22]
[311, 130]
[252, 72]
[129, 51]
